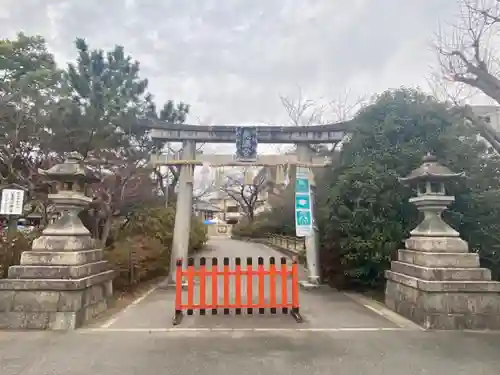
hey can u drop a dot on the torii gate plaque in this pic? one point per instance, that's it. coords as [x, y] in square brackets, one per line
[246, 144]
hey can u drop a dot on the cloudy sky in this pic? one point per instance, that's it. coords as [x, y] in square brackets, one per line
[232, 59]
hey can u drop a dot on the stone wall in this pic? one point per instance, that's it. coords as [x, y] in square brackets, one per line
[52, 309]
[444, 310]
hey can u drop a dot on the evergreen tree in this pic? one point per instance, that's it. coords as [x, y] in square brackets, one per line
[29, 93]
[102, 119]
[368, 215]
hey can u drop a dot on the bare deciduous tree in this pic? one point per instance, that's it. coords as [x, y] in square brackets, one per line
[246, 195]
[344, 108]
[167, 178]
[468, 59]
[307, 112]
[467, 55]
[301, 111]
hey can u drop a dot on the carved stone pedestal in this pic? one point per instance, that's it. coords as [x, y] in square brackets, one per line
[55, 290]
[441, 290]
[60, 284]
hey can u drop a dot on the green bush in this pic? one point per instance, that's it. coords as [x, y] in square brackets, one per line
[136, 259]
[155, 223]
[11, 249]
[280, 219]
[198, 237]
[250, 229]
[367, 215]
[142, 245]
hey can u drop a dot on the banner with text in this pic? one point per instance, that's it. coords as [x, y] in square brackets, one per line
[303, 214]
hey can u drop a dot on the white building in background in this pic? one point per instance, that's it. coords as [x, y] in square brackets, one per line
[230, 210]
[489, 113]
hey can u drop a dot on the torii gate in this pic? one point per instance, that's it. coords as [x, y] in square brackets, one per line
[189, 135]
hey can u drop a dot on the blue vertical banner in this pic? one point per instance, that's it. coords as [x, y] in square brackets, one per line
[303, 213]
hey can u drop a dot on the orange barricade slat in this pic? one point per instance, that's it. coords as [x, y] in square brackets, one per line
[295, 290]
[190, 286]
[272, 285]
[266, 299]
[237, 301]
[203, 285]
[215, 297]
[249, 286]
[284, 286]
[178, 289]
[261, 274]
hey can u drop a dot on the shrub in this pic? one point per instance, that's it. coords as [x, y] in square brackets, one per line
[140, 248]
[198, 236]
[11, 250]
[280, 219]
[153, 223]
[367, 215]
[142, 245]
[250, 229]
[267, 222]
[137, 259]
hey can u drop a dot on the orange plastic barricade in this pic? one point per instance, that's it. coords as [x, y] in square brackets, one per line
[214, 287]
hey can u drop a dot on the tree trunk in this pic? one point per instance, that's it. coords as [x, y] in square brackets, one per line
[106, 230]
[11, 227]
[44, 221]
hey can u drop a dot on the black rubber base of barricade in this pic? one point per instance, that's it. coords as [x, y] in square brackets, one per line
[179, 315]
[177, 318]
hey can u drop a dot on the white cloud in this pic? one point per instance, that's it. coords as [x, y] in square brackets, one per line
[232, 59]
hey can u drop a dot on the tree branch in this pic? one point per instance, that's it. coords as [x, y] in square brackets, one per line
[467, 59]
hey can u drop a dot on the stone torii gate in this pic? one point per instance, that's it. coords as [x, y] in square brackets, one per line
[189, 135]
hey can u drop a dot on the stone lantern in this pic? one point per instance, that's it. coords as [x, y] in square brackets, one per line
[64, 280]
[430, 180]
[435, 281]
[71, 180]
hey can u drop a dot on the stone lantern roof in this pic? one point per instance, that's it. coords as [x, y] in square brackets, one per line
[71, 169]
[431, 170]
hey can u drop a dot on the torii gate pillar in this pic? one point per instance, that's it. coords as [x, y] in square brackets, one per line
[304, 155]
[183, 209]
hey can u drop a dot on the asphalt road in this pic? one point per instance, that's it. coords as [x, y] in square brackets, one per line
[339, 336]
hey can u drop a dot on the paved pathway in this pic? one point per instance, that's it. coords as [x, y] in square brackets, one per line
[320, 308]
[339, 336]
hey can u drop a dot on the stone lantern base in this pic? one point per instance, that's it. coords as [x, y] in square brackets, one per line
[442, 286]
[56, 290]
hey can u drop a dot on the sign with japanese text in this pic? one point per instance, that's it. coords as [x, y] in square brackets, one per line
[12, 202]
